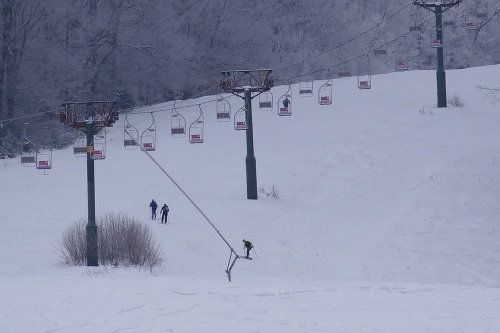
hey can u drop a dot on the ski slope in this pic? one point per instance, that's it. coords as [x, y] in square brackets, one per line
[387, 220]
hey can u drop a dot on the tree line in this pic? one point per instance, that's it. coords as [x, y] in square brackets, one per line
[139, 52]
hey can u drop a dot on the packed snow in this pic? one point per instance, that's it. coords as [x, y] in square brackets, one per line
[387, 219]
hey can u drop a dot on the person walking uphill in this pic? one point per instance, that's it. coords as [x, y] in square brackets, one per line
[153, 206]
[164, 213]
[248, 245]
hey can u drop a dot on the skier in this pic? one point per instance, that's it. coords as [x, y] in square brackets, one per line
[153, 206]
[248, 245]
[164, 213]
[286, 101]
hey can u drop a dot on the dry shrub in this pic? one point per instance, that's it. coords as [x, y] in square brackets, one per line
[121, 241]
[456, 101]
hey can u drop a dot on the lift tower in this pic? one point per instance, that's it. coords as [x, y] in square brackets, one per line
[438, 7]
[243, 83]
[90, 118]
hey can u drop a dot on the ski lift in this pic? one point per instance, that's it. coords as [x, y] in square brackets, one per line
[470, 25]
[266, 101]
[28, 151]
[285, 103]
[177, 124]
[223, 109]
[436, 43]
[240, 119]
[401, 66]
[99, 151]
[416, 19]
[401, 63]
[364, 76]
[130, 135]
[381, 47]
[325, 92]
[196, 129]
[306, 88]
[148, 137]
[44, 160]
[344, 75]
[482, 12]
[80, 147]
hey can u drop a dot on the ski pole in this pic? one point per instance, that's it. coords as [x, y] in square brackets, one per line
[255, 253]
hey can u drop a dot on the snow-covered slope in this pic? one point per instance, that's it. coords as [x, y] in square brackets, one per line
[387, 221]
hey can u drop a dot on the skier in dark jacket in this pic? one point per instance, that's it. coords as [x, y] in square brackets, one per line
[153, 206]
[248, 245]
[286, 102]
[164, 213]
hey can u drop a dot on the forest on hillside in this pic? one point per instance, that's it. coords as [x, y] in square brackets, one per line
[140, 52]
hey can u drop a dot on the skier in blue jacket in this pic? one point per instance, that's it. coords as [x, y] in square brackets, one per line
[153, 206]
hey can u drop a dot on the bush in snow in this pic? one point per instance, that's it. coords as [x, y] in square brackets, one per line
[272, 193]
[456, 101]
[121, 241]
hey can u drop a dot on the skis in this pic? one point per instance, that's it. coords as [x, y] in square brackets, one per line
[246, 258]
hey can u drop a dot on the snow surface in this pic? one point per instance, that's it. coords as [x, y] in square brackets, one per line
[388, 219]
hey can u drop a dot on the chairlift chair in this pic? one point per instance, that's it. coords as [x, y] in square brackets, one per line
[28, 151]
[130, 135]
[401, 63]
[285, 105]
[325, 93]
[266, 101]
[306, 88]
[470, 25]
[436, 43]
[177, 123]
[344, 75]
[223, 110]
[148, 137]
[44, 160]
[416, 19]
[99, 151]
[80, 147]
[364, 77]
[381, 47]
[196, 129]
[240, 122]
[401, 66]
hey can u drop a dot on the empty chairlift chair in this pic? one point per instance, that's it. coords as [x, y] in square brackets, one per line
[306, 89]
[130, 135]
[401, 62]
[148, 137]
[196, 129]
[325, 93]
[44, 160]
[28, 151]
[80, 147]
[177, 123]
[240, 121]
[99, 151]
[364, 75]
[266, 101]
[223, 110]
